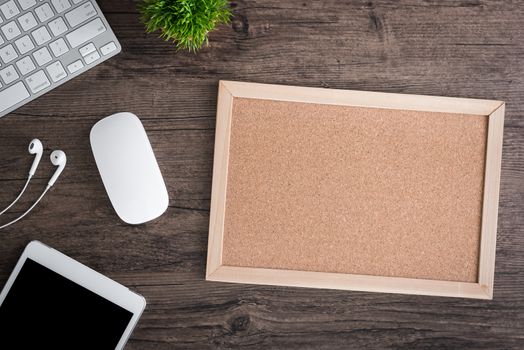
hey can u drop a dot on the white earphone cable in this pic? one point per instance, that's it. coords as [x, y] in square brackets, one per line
[28, 210]
[17, 198]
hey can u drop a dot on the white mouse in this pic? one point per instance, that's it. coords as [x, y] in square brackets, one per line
[128, 168]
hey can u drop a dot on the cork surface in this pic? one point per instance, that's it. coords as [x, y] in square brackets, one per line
[354, 190]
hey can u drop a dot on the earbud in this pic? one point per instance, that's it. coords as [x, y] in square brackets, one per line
[59, 159]
[35, 147]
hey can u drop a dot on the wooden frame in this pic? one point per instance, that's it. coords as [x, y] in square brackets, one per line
[494, 110]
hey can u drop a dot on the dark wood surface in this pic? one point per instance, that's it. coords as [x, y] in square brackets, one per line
[469, 48]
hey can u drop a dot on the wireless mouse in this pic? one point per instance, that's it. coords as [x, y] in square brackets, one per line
[128, 168]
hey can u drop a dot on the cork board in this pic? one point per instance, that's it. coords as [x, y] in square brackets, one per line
[353, 190]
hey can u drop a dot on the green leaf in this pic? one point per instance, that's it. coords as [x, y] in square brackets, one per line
[186, 22]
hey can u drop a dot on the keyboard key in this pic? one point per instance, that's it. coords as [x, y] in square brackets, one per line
[44, 12]
[41, 35]
[25, 4]
[9, 74]
[24, 44]
[25, 65]
[61, 5]
[8, 53]
[12, 95]
[76, 65]
[57, 26]
[86, 32]
[37, 82]
[11, 30]
[108, 48]
[1, 40]
[80, 14]
[59, 47]
[56, 71]
[77, 1]
[42, 56]
[9, 9]
[84, 50]
[92, 57]
[27, 21]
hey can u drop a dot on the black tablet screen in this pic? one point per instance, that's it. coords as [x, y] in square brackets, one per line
[44, 310]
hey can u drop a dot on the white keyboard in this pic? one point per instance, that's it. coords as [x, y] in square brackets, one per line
[44, 43]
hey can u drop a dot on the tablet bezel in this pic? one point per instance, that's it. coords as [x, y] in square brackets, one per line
[83, 276]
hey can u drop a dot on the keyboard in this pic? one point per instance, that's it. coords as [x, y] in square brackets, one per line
[44, 43]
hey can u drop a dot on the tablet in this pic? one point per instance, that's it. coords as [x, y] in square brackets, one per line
[51, 301]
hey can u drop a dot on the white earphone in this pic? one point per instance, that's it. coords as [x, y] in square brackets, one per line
[35, 147]
[58, 158]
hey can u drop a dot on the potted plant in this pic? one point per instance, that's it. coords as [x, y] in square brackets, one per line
[186, 22]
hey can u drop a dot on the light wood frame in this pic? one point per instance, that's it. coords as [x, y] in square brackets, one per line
[494, 110]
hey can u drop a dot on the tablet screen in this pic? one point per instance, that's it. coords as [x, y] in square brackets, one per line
[44, 310]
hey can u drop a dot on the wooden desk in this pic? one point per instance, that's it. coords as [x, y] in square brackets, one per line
[452, 48]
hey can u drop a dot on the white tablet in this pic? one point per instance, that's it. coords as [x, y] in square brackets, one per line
[51, 301]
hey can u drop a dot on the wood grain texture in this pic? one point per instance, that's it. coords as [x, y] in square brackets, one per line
[469, 48]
